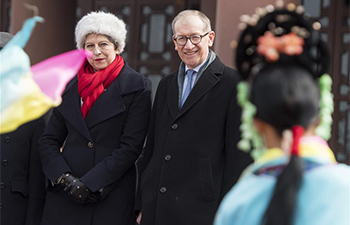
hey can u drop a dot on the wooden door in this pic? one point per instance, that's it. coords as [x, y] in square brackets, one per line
[335, 20]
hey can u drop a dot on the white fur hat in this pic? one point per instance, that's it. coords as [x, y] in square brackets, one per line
[101, 23]
[5, 38]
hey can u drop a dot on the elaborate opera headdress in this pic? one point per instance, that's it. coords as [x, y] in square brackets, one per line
[280, 35]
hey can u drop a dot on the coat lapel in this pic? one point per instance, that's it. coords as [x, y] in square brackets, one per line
[173, 96]
[206, 82]
[71, 110]
[108, 104]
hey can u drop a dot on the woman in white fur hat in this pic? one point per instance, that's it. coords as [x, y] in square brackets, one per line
[94, 137]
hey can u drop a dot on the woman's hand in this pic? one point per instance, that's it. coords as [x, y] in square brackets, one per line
[77, 190]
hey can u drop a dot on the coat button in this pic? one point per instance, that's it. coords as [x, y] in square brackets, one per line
[174, 126]
[2, 185]
[4, 162]
[7, 139]
[162, 190]
[167, 157]
[90, 144]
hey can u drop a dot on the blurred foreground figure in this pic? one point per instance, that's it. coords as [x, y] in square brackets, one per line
[27, 93]
[296, 179]
[22, 187]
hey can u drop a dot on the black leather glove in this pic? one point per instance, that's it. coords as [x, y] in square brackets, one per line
[77, 190]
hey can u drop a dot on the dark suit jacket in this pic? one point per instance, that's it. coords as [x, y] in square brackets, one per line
[22, 180]
[101, 150]
[192, 154]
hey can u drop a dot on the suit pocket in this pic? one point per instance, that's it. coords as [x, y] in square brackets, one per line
[207, 180]
[20, 186]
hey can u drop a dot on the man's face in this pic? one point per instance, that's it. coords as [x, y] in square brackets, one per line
[193, 55]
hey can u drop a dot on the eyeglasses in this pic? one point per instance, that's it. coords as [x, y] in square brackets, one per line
[195, 39]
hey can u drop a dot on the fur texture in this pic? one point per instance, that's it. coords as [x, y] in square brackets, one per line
[4, 38]
[101, 23]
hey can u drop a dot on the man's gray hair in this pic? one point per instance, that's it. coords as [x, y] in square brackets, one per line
[187, 13]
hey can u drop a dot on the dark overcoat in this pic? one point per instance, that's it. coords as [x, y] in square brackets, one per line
[101, 150]
[192, 154]
[22, 184]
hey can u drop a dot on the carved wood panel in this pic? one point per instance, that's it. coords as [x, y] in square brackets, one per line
[335, 20]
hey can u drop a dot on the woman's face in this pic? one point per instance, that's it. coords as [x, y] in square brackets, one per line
[104, 51]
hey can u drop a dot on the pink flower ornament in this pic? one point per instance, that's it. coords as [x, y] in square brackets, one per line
[271, 46]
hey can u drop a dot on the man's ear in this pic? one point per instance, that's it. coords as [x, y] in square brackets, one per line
[174, 44]
[211, 38]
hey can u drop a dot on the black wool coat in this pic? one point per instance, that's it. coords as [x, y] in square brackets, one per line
[101, 151]
[192, 154]
[22, 186]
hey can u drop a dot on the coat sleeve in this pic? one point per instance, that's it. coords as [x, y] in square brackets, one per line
[36, 179]
[147, 152]
[236, 160]
[124, 157]
[50, 143]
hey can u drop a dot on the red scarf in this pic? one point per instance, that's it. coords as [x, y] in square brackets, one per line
[92, 84]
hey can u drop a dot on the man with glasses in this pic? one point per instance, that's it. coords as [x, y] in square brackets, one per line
[191, 160]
